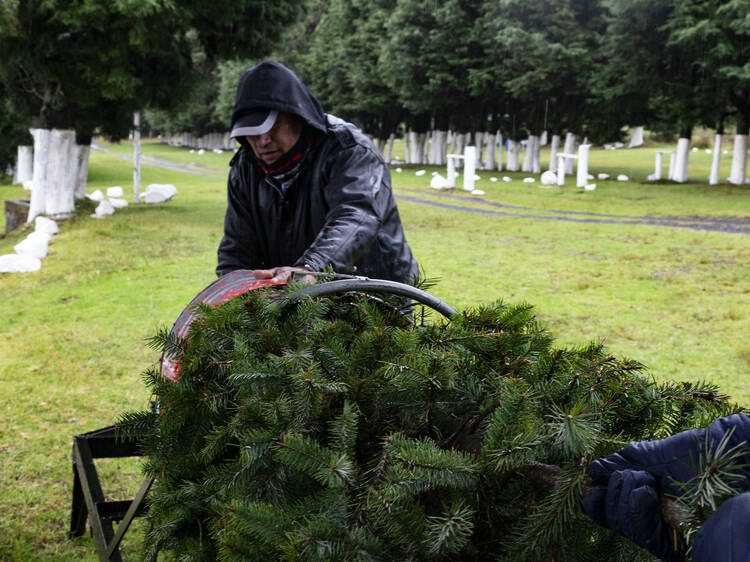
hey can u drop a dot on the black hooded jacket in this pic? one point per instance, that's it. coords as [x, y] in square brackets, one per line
[340, 211]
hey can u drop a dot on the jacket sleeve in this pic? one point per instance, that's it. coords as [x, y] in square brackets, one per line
[237, 249]
[357, 193]
[674, 459]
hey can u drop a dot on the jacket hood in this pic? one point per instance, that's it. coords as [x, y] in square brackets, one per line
[272, 85]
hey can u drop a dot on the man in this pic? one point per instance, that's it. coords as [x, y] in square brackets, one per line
[627, 485]
[306, 190]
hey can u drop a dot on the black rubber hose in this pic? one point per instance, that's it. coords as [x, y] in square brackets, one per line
[366, 285]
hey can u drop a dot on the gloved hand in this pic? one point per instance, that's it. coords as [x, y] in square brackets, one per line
[630, 505]
[627, 501]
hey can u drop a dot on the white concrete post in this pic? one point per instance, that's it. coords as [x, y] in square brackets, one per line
[470, 161]
[582, 166]
[657, 165]
[713, 177]
[681, 160]
[137, 157]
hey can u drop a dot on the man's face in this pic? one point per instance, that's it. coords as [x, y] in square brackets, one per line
[272, 145]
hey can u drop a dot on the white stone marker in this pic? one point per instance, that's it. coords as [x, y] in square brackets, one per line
[45, 225]
[658, 163]
[470, 160]
[18, 263]
[582, 168]
[451, 160]
[35, 244]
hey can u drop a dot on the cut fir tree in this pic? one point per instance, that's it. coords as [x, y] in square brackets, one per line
[337, 428]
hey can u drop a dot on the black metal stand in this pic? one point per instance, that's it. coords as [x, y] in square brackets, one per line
[88, 498]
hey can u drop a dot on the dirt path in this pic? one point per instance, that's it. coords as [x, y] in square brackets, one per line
[733, 225]
[192, 169]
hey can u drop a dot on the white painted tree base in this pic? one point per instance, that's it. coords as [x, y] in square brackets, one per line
[739, 160]
[512, 162]
[713, 176]
[569, 148]
[24, 165]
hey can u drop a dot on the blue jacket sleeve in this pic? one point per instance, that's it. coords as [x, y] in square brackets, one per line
[673, 459]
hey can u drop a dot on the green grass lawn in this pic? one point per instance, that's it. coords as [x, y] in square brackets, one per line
[72, 336]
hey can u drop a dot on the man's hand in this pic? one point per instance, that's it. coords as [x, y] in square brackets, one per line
[283, 274]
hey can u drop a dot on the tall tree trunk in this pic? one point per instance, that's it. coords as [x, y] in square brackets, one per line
[528, 155]
[479, 144]
[439, 142]
[489, 156]
[554, 144]
[137, 157]
[569, 148]
[499, 143]
[37, 205]
[416, 147]
[82, 173]
[536, 165]
[389, 150]
[460, 143]
[713, 177]
[24, 164]
[512, 164]
[407, 148]
[738, 174]
[55, 172]
[636, 139]
[452, 140]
